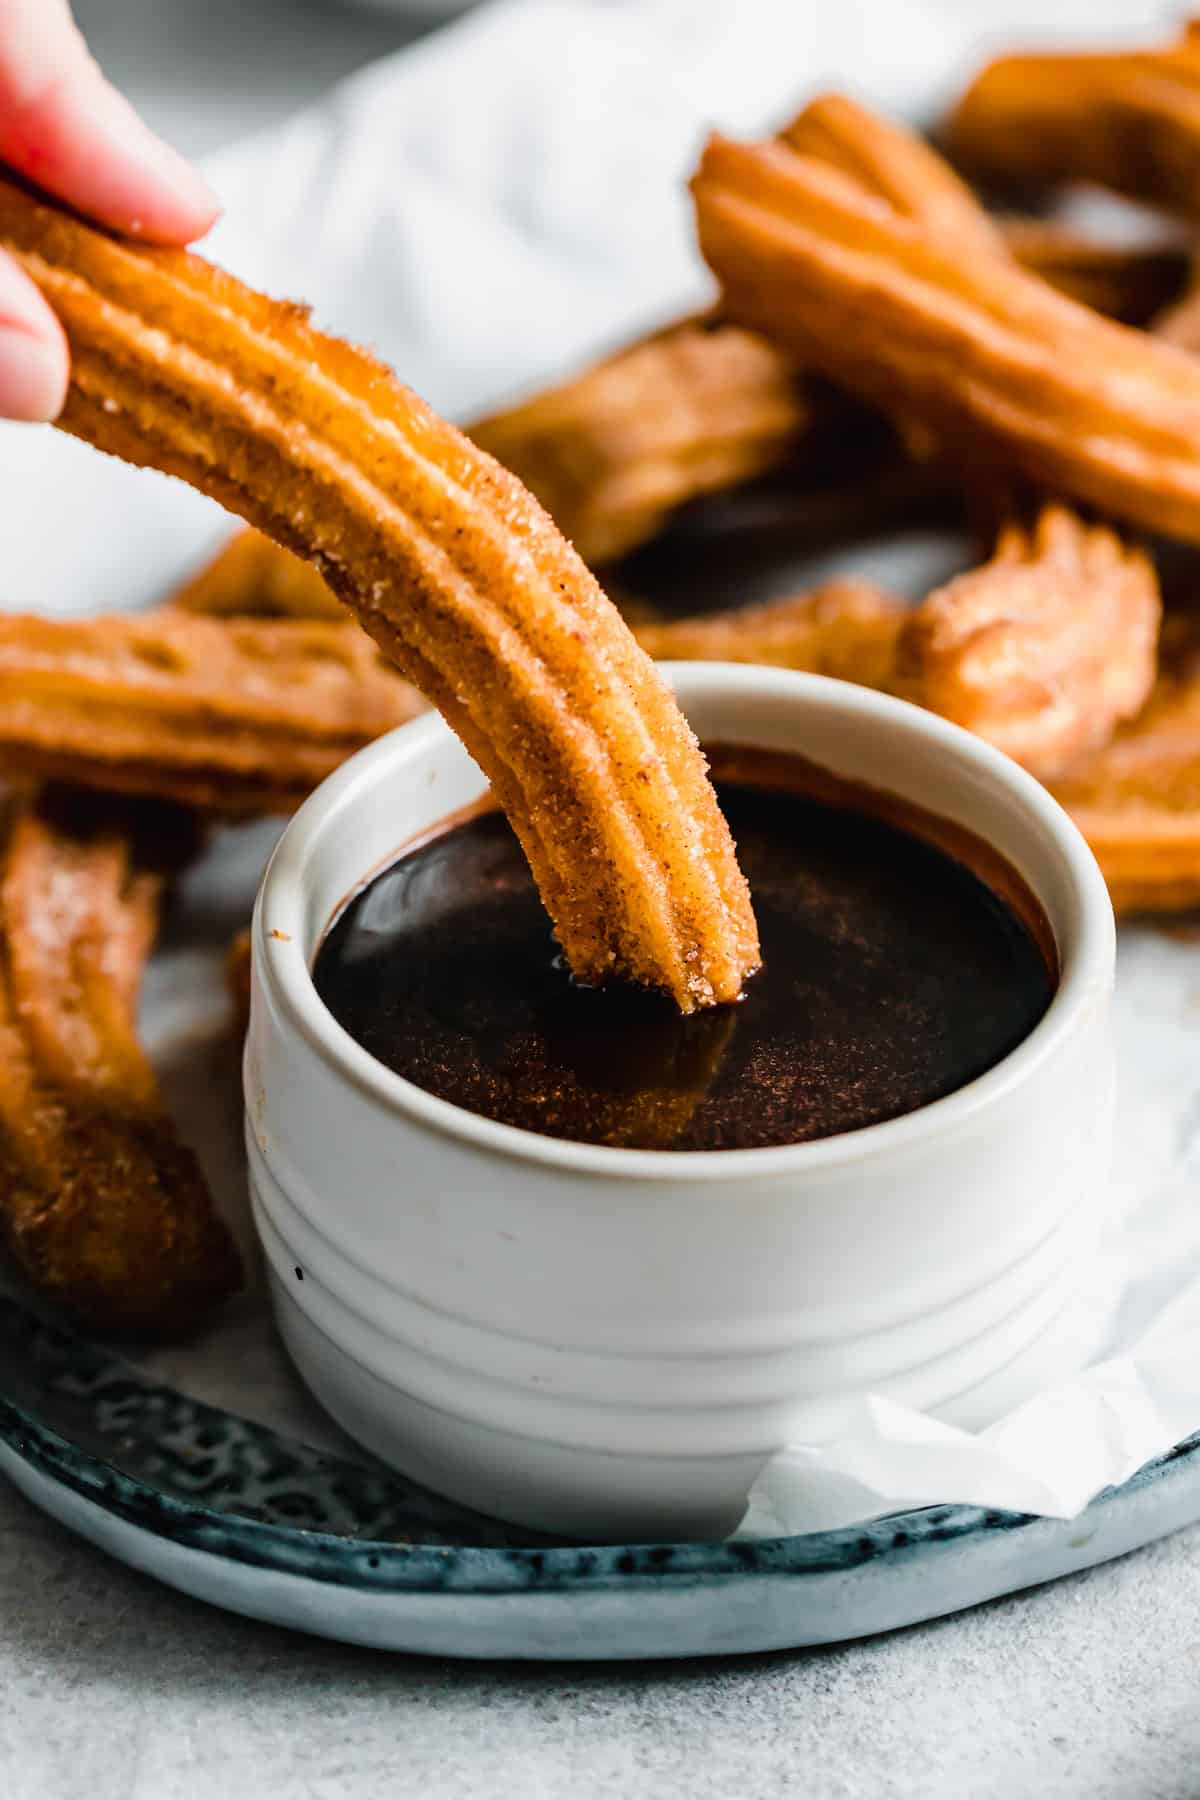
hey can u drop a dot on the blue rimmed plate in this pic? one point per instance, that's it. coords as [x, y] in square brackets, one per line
[249, 1520]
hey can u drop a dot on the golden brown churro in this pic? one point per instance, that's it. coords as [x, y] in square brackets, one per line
[612, 453]
[990, 358]
[704, 406]
[235, 717]
[846, 629]
[102, 1206]
[895, 164]
[1127, 119]
[251, 575]
[447, 561]
[1137, 801]
[1045, 648]
[1179, 322]
[1130, 283]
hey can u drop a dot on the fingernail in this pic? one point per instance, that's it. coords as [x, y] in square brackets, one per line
[33, 377]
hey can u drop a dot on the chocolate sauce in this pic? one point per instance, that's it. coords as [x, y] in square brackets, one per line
[893, 974]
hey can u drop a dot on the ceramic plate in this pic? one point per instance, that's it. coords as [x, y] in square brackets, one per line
[249, 1520]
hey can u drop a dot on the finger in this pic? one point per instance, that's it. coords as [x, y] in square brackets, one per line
[33, 350]
[68, 130]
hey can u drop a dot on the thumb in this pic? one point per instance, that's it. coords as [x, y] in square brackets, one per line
[33, 350]
[68, 130]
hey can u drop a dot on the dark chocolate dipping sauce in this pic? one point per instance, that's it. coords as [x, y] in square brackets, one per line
[891, 975]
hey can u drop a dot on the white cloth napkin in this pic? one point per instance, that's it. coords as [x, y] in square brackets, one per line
[488, 210]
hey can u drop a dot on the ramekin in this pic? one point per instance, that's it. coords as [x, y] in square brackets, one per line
[610, 1343]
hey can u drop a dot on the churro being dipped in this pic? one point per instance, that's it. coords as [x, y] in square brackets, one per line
[449, 564]
[102, 1206]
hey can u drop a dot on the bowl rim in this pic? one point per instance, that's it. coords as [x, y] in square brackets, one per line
[282, 970]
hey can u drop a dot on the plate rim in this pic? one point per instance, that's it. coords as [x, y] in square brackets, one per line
[389, 1566]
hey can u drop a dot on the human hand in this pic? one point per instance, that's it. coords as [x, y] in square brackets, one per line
[64, 127]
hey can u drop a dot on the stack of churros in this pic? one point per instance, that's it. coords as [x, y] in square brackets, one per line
[866, 298]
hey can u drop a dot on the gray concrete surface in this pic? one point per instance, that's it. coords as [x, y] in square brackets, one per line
[114, 1689]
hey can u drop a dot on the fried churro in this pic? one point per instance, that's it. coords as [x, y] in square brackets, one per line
[846, 628]
[1129, 120]
[102, 1206]
[612, 453]
[896, 165]
[449, 563]
[235, 717]
[1179, 322]
[1137, 800]
[1132, 283]
[703, 406]
[253, 576]
[1043, 649]
[992, 359]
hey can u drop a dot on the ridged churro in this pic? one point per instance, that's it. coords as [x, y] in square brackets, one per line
[254, 576]
[1132, 283]
[1044, 648]
[846, 628]
[613, 452]
[102, 1206]
[1127, 119]
[1137, 800]
[993, 361]
[235, 717]
[704, 406]
[897, 166]
[449, 563]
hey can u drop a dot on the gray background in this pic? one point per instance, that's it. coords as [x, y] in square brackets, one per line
[114, 1689]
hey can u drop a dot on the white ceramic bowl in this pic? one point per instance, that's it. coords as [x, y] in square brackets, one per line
[610, 1343]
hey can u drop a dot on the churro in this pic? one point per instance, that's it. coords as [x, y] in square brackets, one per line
[449, 563]
[846, 628]
[612, 453]
[1043, 649]
[1129, 120]
[1137, 800]
[235, 717]
[704, 406]
[991, 359]
[254, 576]
[1132, 283]
[897, 166]
[102, 1206]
